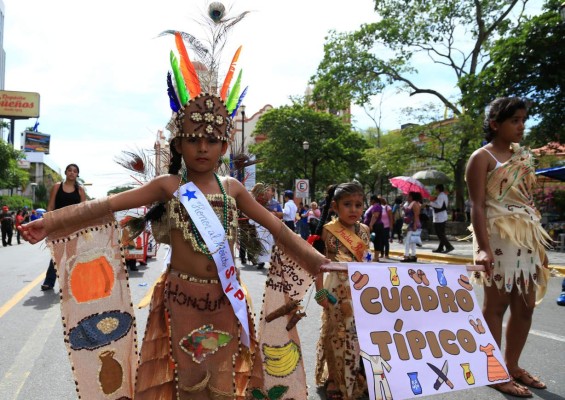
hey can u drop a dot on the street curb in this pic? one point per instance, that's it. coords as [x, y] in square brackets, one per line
[461, 260]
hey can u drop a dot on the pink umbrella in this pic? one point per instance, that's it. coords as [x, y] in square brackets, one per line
[409, 184]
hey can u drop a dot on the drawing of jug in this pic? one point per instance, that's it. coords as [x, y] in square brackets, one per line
[394, 278]
[441, 277]
[469, 377]
[415, 383]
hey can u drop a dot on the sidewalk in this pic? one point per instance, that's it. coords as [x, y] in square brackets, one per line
[463, 254]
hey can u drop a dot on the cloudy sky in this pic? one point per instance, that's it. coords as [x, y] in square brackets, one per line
[100, 68]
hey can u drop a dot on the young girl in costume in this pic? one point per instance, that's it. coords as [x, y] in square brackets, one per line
[199, 340]
[412, 219]
[345, 239]
[508, 238]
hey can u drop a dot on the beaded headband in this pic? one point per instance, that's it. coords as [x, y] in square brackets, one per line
[206, 115]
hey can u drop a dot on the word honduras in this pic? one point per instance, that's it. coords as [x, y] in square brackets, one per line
[422, 299]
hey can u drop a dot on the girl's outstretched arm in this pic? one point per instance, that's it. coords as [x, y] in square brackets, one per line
[79, 215]
[295, 247]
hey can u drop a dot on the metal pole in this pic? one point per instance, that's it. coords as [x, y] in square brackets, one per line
[242, 129]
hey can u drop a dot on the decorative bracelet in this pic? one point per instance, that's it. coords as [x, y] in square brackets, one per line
[321, 295]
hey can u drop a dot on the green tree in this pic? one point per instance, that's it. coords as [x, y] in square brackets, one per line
[384, 162]
[455, 34]
[11, 176]
[529, 62]
[334, 155]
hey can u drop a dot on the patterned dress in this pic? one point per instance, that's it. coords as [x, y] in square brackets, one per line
[516, 237]
[338, 346]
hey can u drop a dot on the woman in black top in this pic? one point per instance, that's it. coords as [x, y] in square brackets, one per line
[63, 194]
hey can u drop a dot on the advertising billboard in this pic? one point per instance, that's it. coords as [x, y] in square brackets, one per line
[19, 105]
[35, 142]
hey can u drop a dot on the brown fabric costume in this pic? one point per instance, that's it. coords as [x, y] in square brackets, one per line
[203, 347]
[98, 319]
[162, 367]
[516, 236]
[338, 346]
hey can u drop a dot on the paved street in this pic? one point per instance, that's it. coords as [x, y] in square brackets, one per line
[34, 362]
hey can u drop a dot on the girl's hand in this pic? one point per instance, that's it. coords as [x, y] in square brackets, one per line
[485, 258]
[34, 231]
[324, 303]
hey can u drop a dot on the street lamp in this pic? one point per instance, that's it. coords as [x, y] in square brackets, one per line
[242, 128]
[305, 146]
[33, 186]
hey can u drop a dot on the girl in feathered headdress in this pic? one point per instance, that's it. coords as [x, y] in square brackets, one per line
[200, 340]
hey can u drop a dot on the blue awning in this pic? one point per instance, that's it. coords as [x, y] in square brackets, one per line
[555, 173]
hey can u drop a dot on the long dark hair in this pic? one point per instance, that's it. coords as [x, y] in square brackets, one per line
[416, 196]
[500, 110]
[78, 172]
[175, 164]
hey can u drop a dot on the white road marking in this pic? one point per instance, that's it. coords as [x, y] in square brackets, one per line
[15, 378]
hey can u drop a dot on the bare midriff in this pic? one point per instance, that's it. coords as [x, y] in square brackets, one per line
[188, 261]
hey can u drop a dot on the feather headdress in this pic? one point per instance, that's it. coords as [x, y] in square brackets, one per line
[197, 109]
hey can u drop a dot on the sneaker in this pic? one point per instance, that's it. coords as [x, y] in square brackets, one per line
[449, 250]
[561, 299]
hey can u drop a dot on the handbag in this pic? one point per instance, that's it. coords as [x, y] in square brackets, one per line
[443, 208]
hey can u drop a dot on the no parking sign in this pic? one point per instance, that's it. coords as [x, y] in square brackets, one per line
[302, 188]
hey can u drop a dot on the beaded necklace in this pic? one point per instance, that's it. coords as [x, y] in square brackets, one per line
[194, 235]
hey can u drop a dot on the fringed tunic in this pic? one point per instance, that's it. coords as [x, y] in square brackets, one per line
[517, 239]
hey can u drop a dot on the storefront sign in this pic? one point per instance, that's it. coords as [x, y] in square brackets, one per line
[19, 104]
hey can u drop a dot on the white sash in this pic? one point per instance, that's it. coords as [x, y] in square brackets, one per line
[212, 232]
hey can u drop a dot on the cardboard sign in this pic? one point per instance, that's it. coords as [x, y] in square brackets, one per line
[421, 330]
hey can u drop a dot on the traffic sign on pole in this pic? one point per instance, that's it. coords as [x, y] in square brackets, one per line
[302, 188]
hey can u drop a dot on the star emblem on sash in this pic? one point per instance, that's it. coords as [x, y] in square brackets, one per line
[190, 194]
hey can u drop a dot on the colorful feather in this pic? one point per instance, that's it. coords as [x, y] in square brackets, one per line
[229, 76]
[234, 112]
[187, 68]
[173, 99]
[234, 93]
[183, 95]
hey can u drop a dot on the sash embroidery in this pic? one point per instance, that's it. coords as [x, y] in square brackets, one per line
[349, 239]
[212, 232]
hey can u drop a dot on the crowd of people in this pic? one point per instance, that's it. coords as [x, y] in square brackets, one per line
[340, 229]
[11, 220]
[507, 240]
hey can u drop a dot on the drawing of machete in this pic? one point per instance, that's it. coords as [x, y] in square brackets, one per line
[442, 377]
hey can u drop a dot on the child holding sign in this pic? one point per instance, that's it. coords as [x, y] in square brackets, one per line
[209, 341]
[344, 239]
[508, 237]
